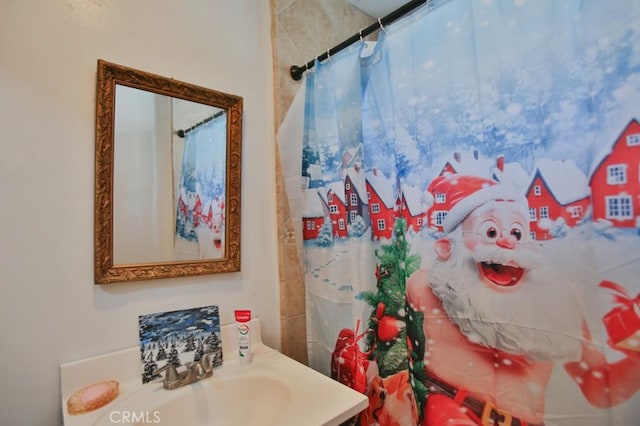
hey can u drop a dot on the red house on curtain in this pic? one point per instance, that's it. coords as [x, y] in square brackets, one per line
[463, 163]
[412, 208]
[355, 192]
[313, 214]
[615, 180]
[558, 190]
[381, 204]
[337, 209]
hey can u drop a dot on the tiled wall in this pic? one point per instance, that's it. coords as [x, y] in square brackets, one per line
[302, 30]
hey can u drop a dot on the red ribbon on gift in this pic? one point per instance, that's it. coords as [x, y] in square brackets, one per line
[623, 297]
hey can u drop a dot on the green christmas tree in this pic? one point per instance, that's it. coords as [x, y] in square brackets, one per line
[150, 368]
[190, 344]
[396, 340]
[162, 355]
[197, 356]
[174, 357]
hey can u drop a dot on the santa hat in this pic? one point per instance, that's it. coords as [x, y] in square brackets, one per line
[463, 194]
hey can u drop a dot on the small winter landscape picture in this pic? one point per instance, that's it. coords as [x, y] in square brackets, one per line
[179, 338]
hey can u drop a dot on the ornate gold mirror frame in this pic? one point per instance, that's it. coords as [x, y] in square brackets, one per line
[109, 76]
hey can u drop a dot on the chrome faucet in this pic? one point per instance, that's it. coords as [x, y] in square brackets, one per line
[194, 371]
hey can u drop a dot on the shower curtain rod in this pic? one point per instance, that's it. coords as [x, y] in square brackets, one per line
[297, 72]
[183, 133]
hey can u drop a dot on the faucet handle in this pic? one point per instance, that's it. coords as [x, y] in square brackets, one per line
[171, 374]
[193, 373]
[197, 369]
[206, 361]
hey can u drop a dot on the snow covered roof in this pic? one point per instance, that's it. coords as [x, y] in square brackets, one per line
[338, 189]
[382, 185]
[356, 175]
[514, 174]
[353, 151]
[413, 198]
[609, 138]
[563, 178]
[349, 155]
[314, 171]
[470, 163]
[312, 206]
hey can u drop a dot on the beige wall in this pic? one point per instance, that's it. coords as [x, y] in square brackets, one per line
[50, 310]
[303, 30]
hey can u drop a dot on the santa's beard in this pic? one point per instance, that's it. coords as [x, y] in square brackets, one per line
[540, 317]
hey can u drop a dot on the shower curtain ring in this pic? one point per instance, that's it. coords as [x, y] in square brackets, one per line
[328, 54]
[360, 34]
[380, 25]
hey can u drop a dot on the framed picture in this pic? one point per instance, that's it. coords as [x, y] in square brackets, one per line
[179, 338]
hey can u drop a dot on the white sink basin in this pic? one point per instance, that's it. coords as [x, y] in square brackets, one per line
[272, 390]
[227, 402]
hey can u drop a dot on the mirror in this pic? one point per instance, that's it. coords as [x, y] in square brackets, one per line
[168, 171]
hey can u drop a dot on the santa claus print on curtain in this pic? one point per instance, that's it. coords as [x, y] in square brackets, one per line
[496, 154]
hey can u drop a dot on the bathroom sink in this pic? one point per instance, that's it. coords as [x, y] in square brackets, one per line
[255, 394]
[272, 390]
[242, 401]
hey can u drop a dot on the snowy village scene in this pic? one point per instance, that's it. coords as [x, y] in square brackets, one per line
[396, 171]
[179, 338]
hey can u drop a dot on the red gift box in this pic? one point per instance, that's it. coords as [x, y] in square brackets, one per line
[623, 321]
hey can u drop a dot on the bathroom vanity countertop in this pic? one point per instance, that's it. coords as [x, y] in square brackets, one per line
[272, 389]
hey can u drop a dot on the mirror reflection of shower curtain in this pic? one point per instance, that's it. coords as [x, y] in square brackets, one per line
[200, 209]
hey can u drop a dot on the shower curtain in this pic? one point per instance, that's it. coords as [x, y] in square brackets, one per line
[471, 215]
[201, 193]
